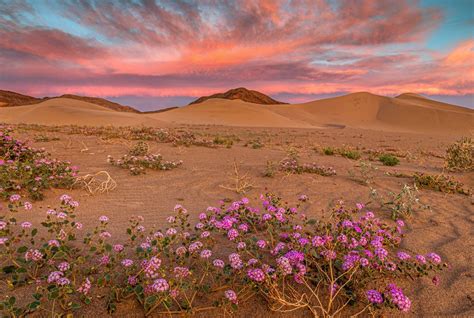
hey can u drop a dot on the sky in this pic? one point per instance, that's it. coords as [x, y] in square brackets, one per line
[155, 54]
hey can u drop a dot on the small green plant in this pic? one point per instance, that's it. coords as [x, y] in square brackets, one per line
[460, 155]
[401, 204]
[44, 138]
[441, 183]
[350, 154]
[328, 151]
[225, 141]
[141, 148]
[269, 169]
[389, 160]
[364, 174]
[254, 144]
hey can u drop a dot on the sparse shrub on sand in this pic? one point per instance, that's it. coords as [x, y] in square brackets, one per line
[138, 164]
[363, 173]
[460, 155]
[225, 141]
[270, 169]
[239, 182]
[350, 154]
[141, 148]
[441, 183]
[45, 138]
[254, 144]
[328, 151]
[402, 204]
[273, 253]
[291, 164]
[26, 169]
[389, 160]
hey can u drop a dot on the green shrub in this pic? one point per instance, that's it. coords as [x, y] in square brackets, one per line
[350, 154]
[389, 160]
[328, 151]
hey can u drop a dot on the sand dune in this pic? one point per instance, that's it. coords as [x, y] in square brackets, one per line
[65, 111]
[359, 110]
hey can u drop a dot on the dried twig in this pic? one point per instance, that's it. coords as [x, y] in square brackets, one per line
[99, 182]
[241, 183]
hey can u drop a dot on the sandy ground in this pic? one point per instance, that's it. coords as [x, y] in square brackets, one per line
[447, 228]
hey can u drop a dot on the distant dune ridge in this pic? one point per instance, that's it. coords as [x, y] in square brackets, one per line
[405, 113]
[8, 98]
[243, 94]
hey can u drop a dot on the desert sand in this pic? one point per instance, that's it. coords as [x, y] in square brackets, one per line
[419, 129]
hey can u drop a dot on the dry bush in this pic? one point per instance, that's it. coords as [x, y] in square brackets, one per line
[240, 183]
[460, 155]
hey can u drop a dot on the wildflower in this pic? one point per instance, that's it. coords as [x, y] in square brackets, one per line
[132, 280]
[218, 263]
[63, 266]
[180, 251]
[170, 219]
[61, 215]
[241, 245]
[33, 255]
[104, 260]
[284, 265]
[231, 296]
[261, 243]
[51, 212]
[118, 248]
[3, 225]
[434, 258]
[54, 276]
[317, 241]
[85, 287]
[232, 234]
[381, 253]
[171, 231]
[374, 296]
[398, 298]
[206, 254]
[193, 247]
[3, 240]
[127, 262]
[79, 226]
[235, 261]
[403, 256]
[160, 285]
[53, 243]
[103, 219]
[27, 206]
[105, 235]
[391, 266]
[181, 272]
[26, 225]
[436, 280]
[421, 259]
[256, 274]
[15, 198]
[205, 234]
[360, 206]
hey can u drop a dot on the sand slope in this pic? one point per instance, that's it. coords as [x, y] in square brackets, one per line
[65, 111]
[358, 110]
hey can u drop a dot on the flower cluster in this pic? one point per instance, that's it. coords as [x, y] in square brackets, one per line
[138, 164]
[292, 165]
[23, 168]
[271, 251]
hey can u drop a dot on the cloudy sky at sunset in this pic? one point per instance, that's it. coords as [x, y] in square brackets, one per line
[153, 54]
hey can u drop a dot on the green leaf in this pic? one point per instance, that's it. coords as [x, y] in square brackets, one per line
[22, 249]
[34, 232]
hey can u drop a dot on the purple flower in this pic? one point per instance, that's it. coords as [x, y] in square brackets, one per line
[103, 219]
[26, 225]
[127, 262]
[403, 256]
[235, 261]
[63, 266]
[232, 234]
[206, 254]
[398, 298]
[381, 253]
[256, 274]
[434, 258]
[160, 285]
[374, 296]
[261, 243]
[218, 263]
[421, 259]
[231, 296]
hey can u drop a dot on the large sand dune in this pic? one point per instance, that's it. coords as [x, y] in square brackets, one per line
[66, 111]
[410, 113]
